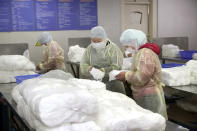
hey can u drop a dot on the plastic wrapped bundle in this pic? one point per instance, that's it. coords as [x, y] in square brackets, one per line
[170, 51]
[193, 71]
[75, 53]
[9, 76]
[25, 112]
[176, 76]
[118, 112]
[55, 101]
[15, 63]
[51, 111]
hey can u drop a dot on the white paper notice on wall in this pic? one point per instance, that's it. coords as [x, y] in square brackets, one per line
[136, 18]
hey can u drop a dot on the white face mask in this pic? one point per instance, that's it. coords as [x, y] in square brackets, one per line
[129, 51]
[99, 45]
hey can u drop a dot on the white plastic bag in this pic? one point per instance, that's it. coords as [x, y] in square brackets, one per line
[75, 53]
[55, 101]
[170, 51]
[16, 62]
[176, 76]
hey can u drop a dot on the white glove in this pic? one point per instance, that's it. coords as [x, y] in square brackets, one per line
[97, 74]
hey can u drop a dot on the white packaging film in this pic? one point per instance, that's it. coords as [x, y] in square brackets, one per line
[58, 105]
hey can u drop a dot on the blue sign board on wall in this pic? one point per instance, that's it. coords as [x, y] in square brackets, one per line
[45, 15]
[22, 15]
[5, 16]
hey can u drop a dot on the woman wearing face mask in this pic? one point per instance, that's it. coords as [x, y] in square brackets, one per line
[103, 55]
[53, 54]
[129, 51]
[145, 73]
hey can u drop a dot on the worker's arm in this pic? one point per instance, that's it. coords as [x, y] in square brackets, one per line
[116, 60]
[142, 70]
[85, 63]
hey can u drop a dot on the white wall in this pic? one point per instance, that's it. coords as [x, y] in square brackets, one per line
[108, 17]
[178, 18]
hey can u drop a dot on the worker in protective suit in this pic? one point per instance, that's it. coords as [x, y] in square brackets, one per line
[53, 54]
[103, 55]
[145, 73]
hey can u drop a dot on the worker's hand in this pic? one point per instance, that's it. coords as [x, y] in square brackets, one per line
[121, 76]
[38, 68]
[129, 55]
[90, 69]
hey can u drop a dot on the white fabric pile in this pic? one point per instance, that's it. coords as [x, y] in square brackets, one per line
[176, 76]
[127, 62]
[14, 65]
[192, 65]
[170, 51]
[75, 53]
[80, 105]
[97, 74]
[58, 74]
[117, 112]
[183, 75]
[194, 56]
[53, 104]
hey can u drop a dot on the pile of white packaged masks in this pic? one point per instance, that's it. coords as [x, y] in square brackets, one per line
[183, 75]
[14, 65]
[176, 76]
[50, 104]
[170, 51]
[192, 65]
[194, 56]
[75, 53]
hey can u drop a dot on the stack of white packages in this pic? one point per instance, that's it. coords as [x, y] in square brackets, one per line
[170, 51]
[192, 64]
[194, 56]
[80, 105]
[54, 104]
[117, 112]
[75, 53]
[176, 76]
[14, 65]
